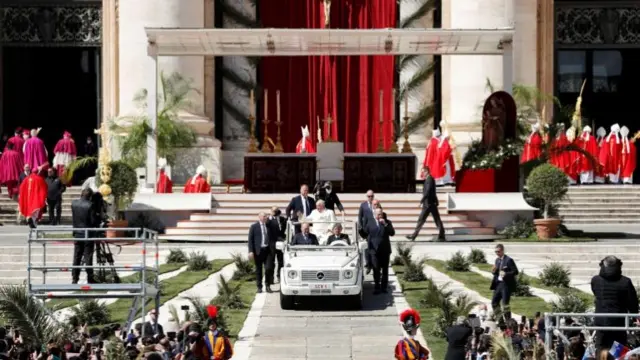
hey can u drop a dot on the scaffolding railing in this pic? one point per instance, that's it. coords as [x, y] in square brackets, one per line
[552, 324]
[141, 291]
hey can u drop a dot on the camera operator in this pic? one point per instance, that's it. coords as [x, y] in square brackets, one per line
[614, 294]
[324, 191]
[83, 216]
[193, 345]
[458, 337]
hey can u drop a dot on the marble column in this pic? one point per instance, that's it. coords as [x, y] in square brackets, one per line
[235, 130]
[134, 16]
[418, 138]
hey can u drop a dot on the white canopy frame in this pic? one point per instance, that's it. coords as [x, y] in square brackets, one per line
[315, 42]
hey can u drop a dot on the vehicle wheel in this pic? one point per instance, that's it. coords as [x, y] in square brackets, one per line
[286, 302]
[355, 301]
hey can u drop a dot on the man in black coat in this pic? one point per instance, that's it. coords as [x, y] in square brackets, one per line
[614, 294]
[260, 245]
[302, 204]
[278, 229]
[378, 233]
[504, 280]
[429, 204]
[55, 188]
[304, 237]
[324, 191]
[83, 216]
[366, 213]
[457, 338]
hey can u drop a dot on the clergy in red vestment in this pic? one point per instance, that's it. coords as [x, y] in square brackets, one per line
[35, 152]
[559, 157]
[588, 144]
[32, 198]
[610, 157]
[198, 183]
[11, 166]
[164, 185]
[445, 164]
[574, 157]
[64, 153]
[533, 145]
[628, 157]
[17, 141]
[305, 146]
[431, 151]
[599, 171]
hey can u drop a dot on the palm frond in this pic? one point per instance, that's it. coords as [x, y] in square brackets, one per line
[80, 162]
[423, 117]
[424, 69]
[502, 348]
[404, 61]
[115, 350]
[199, 311]
[423, 9]
[174, 315]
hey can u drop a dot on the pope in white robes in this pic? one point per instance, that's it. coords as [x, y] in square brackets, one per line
[322, 220]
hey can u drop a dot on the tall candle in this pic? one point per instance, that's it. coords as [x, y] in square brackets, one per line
[393, 105]
[252, 105]
[406, 105]
[266, 103]
[381, 96]
[278, 105]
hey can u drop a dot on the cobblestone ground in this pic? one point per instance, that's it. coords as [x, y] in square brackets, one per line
[322, 330]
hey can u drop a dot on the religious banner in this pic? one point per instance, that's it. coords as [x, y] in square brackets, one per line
[498, 119]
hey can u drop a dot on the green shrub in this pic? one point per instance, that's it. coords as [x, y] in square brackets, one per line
[477, 256]
[548, 184]
[245, 268]
[450, 310]
[556, 275]
[523, 288]
[403, 254]
[434, 294]
[228, 295]
[414, 271]
[570, 303]
[458, 262]
[519, 228]
[90, 312]
[176, 256]
[198, 261]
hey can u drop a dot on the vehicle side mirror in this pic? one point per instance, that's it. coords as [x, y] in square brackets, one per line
[280, 245]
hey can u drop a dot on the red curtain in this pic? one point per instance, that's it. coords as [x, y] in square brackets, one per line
[346, 87]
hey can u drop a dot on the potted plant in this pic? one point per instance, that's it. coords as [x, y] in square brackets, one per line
[124, 184]
[548, 185]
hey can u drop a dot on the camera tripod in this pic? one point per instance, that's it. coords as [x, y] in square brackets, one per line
[104, 257]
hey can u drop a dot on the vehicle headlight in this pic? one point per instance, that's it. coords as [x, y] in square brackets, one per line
[292, 274]
[348, 274]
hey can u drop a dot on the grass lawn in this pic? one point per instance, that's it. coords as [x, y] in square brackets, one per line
[58, 304]
[520, 305]
[235, 317]
[536, 283]
[119, 310]
[414, 292]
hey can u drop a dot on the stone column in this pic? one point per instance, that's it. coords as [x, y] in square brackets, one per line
[418, 138]
[134, 16]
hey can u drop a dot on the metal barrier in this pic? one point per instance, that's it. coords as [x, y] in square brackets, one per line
[550, 327]
[141, 292]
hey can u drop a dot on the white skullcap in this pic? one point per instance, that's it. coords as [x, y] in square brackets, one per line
[615, 128]
[201, 170]
[535, 127]
[587, 129]
[162, 163]
[601, 131]
[436, 132]
[624, 131]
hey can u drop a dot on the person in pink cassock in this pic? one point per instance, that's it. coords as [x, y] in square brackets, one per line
[64, 153]
[305, 146]
[35, 152]
[11, 165]
[17, 141]
[628, 156]
[610, 157]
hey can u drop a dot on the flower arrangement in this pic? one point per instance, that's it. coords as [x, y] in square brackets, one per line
[478, 157]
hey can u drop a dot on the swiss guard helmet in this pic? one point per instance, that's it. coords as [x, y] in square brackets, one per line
[410, 320]
[212, 311]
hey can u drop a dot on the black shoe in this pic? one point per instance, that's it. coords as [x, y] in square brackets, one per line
[269, 289]
[368, 270]
[74, 282]
[259, 290]
[441, 239]
[31, 223]
[411, 238]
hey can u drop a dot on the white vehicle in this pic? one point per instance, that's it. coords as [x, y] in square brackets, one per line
[322, 270]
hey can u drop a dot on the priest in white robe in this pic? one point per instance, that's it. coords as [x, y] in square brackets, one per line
[322, 220]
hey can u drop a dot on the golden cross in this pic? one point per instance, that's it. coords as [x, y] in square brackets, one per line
[327, 13]
[103, 131]
[328, 121]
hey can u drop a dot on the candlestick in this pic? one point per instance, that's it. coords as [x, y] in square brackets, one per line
[266, 147]
[406, 105]
[380, 105]
[380, 126]
[278, 147]
[253, 143]
[394, 145]
[406, 147]
[252, 104]
[266, 103]
[393, 105]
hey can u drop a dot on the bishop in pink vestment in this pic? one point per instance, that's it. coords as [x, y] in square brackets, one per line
[64, 153]
[35, 152]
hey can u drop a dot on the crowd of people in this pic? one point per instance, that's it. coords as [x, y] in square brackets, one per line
[603, 158]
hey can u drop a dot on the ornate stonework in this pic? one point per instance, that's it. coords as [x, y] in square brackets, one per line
[53, 25]
[597, 26]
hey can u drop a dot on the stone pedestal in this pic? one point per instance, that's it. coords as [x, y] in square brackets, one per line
[134, 16]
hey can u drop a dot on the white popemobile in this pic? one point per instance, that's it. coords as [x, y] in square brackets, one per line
[322, 270]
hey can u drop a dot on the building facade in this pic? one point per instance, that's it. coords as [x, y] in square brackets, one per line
[69, 64]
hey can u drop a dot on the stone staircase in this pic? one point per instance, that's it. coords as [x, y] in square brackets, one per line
[9, 207]
[601, 204]
[232, 214]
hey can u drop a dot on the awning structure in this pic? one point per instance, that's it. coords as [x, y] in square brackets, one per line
[305, 42]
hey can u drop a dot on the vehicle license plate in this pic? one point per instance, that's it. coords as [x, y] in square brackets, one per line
[320, 286]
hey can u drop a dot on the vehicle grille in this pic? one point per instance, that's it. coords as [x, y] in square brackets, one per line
[312, 275]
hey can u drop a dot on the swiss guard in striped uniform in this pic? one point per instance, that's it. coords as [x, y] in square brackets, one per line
[409, 348]
[218, 345]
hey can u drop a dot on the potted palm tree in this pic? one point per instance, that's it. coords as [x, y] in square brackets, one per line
[548, 185]
[124, 184]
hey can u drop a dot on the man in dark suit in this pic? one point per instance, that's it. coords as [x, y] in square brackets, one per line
[338, 235]
[378, 233]
[302, 204]
[324, 191]
[504, 280]
[278, 229]
[305, 237]
[365, 213]
[83, 216]
[152, 327]
[429, 204]
[260, 244]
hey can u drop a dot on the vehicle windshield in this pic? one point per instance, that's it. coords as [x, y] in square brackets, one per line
[316, 235]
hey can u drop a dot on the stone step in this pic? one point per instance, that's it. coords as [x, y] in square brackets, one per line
[423, 237]
[244, 226]
[349, 206]
[589, 221]
[600, 206]
[254, 218]
[597, 211]
[352, 212]
[604, 194]
[609, 187]
[232, 234]
[285, 198]
[594, 213]
[596, 199]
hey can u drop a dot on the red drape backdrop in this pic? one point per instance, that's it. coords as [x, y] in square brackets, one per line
[346, 87]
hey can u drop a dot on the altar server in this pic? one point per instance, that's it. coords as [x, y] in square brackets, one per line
[628, 159]
[610, 156]
[599, 171]
[305, 146]
[408, 348]
[446, 167]
[533, 145]
[35, 152]
[587, 143]
[431, 151]
[164, 185]
[198, 183]
[11, 165]
[32, 198]
[65, 153]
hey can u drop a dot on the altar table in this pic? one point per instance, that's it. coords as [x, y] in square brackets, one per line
[278, 173]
